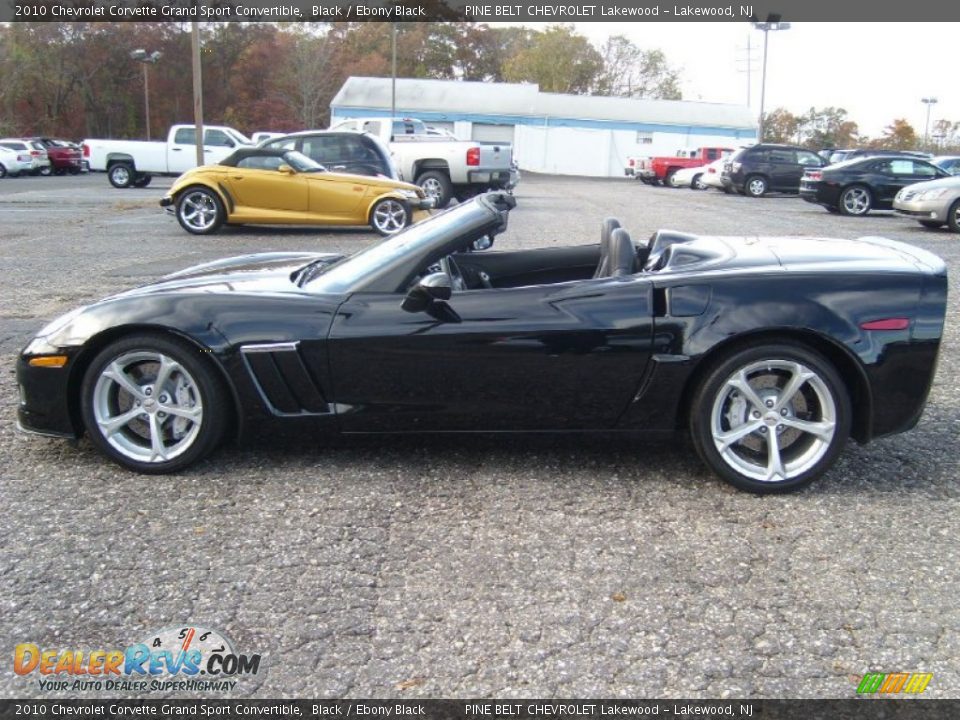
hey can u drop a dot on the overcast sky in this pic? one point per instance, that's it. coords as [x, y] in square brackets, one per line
[876, 71]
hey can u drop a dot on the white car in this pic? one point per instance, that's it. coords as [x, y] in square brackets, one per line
[39, 162]
[700, 178]
[13, 162]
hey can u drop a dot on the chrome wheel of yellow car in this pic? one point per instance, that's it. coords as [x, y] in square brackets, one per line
[390, 216]
[199, 211]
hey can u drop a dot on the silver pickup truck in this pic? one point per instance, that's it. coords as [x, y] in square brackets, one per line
[445, 168]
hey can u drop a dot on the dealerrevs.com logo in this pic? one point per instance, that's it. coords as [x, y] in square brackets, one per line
[186, 658]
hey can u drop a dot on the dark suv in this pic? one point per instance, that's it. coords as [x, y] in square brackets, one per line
[345, 151]
[763, 168]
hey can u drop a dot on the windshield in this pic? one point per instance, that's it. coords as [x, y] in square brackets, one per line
[240, 138]
[345, 274]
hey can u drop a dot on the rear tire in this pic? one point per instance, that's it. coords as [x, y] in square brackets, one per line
[855, 201]
[437, 185]
[121, 175]
[770, 418]
[756, 186]
[46, 171]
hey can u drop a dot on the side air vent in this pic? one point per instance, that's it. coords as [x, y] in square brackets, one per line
[282, 379]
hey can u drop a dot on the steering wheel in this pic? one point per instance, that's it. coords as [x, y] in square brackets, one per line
[450, 267]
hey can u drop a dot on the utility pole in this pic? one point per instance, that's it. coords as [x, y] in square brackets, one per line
[929, 102]
[772, 24]
[393, 73]
[197, 89]
[748, 61]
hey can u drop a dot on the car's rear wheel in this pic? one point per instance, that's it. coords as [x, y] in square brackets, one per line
[436, 185]
[121, 175]
[756, 186]
[389, 216]
[199, 211]
[46, 170]
[151, 404]
[856, 200]
[770, 418]
[953, 216]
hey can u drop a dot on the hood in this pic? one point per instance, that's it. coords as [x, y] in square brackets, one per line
[259, 272]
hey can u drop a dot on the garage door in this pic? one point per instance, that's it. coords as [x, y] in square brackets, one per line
[486, 132]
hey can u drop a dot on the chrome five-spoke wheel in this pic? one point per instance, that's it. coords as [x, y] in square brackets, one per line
[389, 216]
[151, 404]
[199, 211]
[855, 201]
[771, 419]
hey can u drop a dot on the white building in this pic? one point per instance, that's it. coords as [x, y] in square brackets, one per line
[550, 132]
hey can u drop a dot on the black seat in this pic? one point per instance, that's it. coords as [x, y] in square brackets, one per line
[623, 254]
[606, 230]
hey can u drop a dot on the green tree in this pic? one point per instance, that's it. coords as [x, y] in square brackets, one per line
[558, 59]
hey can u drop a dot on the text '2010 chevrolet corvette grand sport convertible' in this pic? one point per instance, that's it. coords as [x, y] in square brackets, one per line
[769, 352]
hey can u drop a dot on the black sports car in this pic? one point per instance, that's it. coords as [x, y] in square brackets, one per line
[855, 187]
[769, 352]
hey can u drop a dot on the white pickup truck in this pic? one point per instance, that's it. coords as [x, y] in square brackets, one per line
[132, 163]
[445, 168]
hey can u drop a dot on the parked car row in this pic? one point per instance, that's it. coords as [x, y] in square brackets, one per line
[39, 156]
[913, 184]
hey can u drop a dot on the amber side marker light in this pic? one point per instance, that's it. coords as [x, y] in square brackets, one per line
[886, 324]
[50, 361]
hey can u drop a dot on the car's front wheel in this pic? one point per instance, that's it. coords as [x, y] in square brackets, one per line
[152, 404]
[756, 186]
[953, 216]
[389, 216]
[698, 183]
[770, 418]
[199, 211]
[142, 180]
[855, 200]
[3, 171]
[121, 175]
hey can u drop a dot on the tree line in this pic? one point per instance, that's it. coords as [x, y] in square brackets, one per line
[78, 80]
[831, 127]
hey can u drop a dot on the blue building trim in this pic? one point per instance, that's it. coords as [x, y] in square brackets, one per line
[342, 112]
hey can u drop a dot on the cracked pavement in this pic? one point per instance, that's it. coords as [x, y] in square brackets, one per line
[471, 567]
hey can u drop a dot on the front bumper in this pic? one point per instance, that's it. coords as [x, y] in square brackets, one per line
[44, 399]
[935, 210]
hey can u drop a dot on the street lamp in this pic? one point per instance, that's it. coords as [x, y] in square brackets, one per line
[771, 24]
[928, 101]
[142, 56]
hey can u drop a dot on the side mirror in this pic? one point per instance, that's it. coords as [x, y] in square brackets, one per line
[434, 287]
[285, 169]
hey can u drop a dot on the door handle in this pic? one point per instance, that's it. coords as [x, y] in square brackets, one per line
[176, 149]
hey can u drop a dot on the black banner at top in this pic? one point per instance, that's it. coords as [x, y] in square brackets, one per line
[854, 11]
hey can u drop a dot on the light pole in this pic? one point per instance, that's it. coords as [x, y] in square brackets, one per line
[771, 24]
[141, 56]
[928, 101]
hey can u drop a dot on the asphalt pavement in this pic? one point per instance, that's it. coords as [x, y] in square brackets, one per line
[470, 567]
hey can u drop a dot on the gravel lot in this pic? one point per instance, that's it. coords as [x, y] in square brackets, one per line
[477, 567]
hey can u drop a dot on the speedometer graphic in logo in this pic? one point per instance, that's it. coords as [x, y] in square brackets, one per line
[190, 650]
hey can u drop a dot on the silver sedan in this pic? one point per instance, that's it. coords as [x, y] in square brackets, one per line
[933, 203]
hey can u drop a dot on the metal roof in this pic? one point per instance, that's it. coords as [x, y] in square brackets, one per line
[524, 100]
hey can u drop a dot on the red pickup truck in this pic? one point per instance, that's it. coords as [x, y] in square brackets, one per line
[656, 170]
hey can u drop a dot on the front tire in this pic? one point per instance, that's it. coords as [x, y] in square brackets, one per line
[953, 217]
[856, 201]
[697, 183]
[142, 180]
[151, 404]
[756, 186]
[3, 171]
[437, 185]
[770, 418]
[390, 215]
[200, 211]
[121, 175]
[668, 178]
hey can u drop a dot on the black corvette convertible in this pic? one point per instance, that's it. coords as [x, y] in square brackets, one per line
[769, 352]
